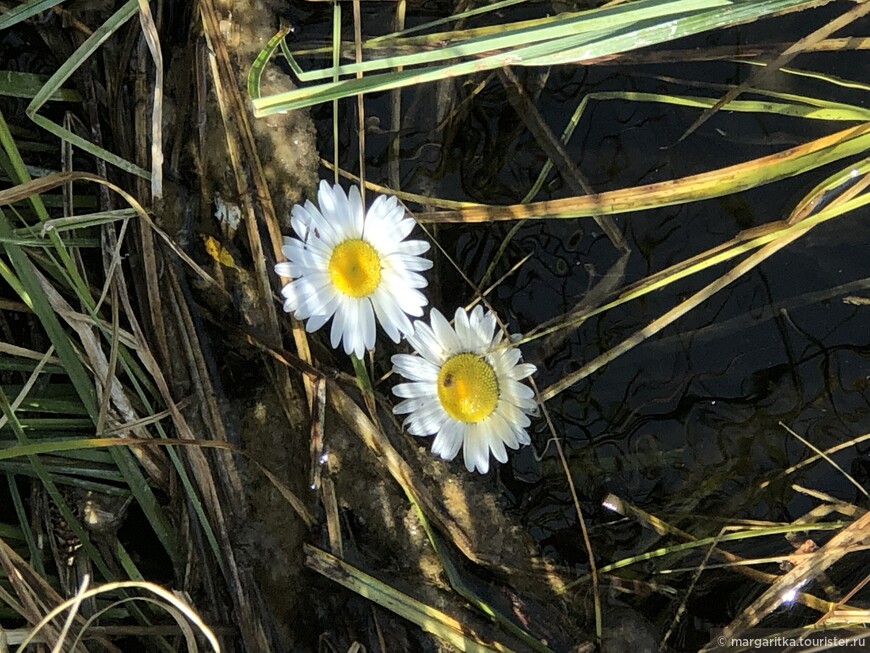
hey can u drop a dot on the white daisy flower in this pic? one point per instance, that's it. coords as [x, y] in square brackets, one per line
[465, 388]
[352, 265]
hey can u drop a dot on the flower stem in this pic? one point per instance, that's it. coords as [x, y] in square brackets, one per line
[365, 385]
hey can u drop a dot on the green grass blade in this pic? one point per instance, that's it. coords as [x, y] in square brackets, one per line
[256, 72]
[24, 277]
[25, 11]
[812, 110]
[584, 35]
[54, 83]
[426, 617]
[26, 531]
[51, 488]
[27, 85]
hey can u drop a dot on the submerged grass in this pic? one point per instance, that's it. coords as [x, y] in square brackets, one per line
[116, 399]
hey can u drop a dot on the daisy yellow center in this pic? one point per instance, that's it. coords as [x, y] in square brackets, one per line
[468, 388]
[355, 268]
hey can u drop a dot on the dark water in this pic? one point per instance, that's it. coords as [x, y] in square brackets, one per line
[686, 425]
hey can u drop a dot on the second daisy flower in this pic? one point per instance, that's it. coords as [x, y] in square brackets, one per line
[465, 388]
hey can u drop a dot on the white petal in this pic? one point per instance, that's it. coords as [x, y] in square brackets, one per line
[476, 450]
[413, 247]
[513, 415]
[317, 320]
[327, 223]
[415, 368]
[367, 324]
[327, 198]
[282, 269]
[522, 437]
[496, 445]
[356, 212]
[449, 440]
[337, 330]
[444, 333]
[467, 338]
[323, 303]
[353, 336]
[301, 218]
[518, 391]
[393, 320]
[409, 406]
[507, 359]
[403, 263]
[414, 390]
[427, 420]
[476, 318]
[305, 254]
[523, 370]
[488, 326]
[423, 340]
[410, 300]
[504, 431]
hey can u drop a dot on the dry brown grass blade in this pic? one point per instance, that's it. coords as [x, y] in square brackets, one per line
[827, 459]
[660, 526]
[811, 459]
[554, 149]
[240, 142]
[39, 185]
[243, 593]
[584, 531]
[761, 75]
[422, 200]
[856, 534]
[217, 501]
[450, 629]
[298, 506]
[241, 148]
[149, 32]
[670, 317]
[318, 419]
[638, 198]
[109, 388]
[333, 521]
[181, 612]
[146, 236]
[196, 370]
[800, 212]
[35, 596]
[49, 182]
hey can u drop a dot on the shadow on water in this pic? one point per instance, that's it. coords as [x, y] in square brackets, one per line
[686, 425]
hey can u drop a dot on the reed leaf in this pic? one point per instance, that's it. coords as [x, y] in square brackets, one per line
[573, 38]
